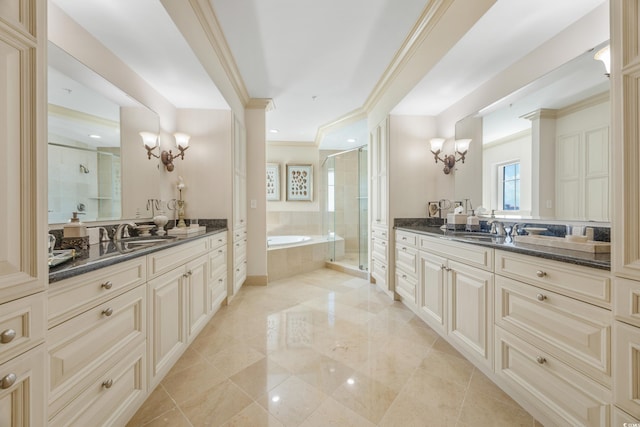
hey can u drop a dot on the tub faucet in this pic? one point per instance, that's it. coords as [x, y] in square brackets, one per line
[497, 228]
[123, 231]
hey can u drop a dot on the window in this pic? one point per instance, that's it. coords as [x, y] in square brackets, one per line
[510, 183]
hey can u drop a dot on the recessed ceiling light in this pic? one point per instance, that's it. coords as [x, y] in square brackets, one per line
[351, 140]
[94, 136]
[273, 131]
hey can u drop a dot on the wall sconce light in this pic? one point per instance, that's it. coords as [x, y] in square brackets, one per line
[604, 55]
[150, 141]
[449, 160]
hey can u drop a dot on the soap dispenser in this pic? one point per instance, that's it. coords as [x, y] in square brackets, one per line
[74, 228]
[473, 222]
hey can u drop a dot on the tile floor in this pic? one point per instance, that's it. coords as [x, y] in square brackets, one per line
[324, 349]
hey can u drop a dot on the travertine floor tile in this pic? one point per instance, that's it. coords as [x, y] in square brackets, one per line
[324, 349]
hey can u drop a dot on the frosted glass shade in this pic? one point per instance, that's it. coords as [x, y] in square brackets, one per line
[436, 144]
[149, 139]
[462, 145]
[182, 140]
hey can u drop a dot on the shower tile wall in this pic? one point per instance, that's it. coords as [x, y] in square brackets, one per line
[287, 223]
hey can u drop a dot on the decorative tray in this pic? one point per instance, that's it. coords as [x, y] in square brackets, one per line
[60, 256]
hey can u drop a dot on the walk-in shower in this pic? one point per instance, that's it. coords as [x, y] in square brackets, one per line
[346, 207]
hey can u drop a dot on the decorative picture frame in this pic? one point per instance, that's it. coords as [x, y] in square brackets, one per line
[299, 183]
[433, 209]
[273, 181]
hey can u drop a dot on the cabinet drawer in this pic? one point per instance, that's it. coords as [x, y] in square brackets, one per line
[627, 368]
[565, 395]
[112, 398]
[380, 249]
[379, 272]
[472, 255]
[407, 259]
[218, 240]
[217, 292]
[240, 233]
[22, 325]
[575, 332]
[164, 261]
[406, 286]
[78, 347]
[239, 276]
[621, 418]
[626, 301]
[71, 297]
[217, 262]
[380, 232]
[584, 283]
[404, 238]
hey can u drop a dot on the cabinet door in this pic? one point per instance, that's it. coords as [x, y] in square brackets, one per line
[627, 368]
[239, 175]
[197, 294]
[167, 321]
[431, 292]
[470, 304]
[22, 403]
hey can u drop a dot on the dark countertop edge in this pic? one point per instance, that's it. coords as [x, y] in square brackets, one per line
[521, 248]
[66, 273]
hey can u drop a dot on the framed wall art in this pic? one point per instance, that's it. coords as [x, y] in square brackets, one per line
[273, 181]
[299, 183]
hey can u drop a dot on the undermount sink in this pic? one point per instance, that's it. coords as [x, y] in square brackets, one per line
[132, 243]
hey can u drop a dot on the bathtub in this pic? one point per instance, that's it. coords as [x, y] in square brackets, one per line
[293, 254]
[274, 241]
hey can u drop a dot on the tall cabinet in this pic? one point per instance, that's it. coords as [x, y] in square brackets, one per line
[23, 270]
[238, 270]
[380, 230]
[625, 83]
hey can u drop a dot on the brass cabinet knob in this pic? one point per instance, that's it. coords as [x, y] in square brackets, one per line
[540, 273]
[7, 336]
[107, 312]
[541, 297]
[541, 360]
[107, 285]
[7, 381]
[107, 383]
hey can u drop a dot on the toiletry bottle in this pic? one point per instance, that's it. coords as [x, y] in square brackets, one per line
[74, 228]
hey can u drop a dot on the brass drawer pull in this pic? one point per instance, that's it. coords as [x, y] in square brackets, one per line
[7, 381]
[107, 312]
[541, 360]
[541, 297]
[107, 383]
[7, 336]
[107, 285]
[540, 273]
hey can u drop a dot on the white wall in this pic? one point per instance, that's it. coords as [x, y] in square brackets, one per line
[414, 178]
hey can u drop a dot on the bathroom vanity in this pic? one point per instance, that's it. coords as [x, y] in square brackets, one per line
[537, 322]
[118, 324]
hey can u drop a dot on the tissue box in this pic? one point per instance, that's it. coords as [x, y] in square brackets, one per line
[456, 222]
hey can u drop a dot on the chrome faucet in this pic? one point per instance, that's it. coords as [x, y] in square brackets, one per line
[515, 230]
[497, 228]
[123, 230]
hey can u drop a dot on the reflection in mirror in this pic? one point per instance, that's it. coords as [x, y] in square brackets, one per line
[86, 131]
[546, 146]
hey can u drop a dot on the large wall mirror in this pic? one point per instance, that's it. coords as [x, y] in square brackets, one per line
[90, 122]
[546, 147]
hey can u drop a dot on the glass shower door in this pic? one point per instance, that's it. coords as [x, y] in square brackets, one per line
[363, 209]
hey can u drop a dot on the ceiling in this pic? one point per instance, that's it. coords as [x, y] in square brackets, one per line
[318, 61]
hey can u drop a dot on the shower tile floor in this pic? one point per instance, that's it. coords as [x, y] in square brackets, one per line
[324, 349]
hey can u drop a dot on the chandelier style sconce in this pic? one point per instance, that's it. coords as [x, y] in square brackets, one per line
[449, 160]
[604, 55]
[150, 141]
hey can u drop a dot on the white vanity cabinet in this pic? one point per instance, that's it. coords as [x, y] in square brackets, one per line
[406, 267]
[379, 262]
[239, 260]
[456, 295]
[553, 337]
[217, 271]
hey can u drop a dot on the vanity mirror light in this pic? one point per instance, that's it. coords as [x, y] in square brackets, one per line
[91, 124]
[545, 148]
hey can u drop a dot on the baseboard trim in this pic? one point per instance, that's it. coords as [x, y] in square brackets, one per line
[256, 281]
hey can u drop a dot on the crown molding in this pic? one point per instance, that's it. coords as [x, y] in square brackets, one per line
[210, 24]
[347, 119]
[542, 113]
[296, 144]
[508, 138]
[265, 104]
[80, 116]
[585, 103]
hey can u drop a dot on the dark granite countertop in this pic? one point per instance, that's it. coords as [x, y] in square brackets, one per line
[600, 261]
[109, 253]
